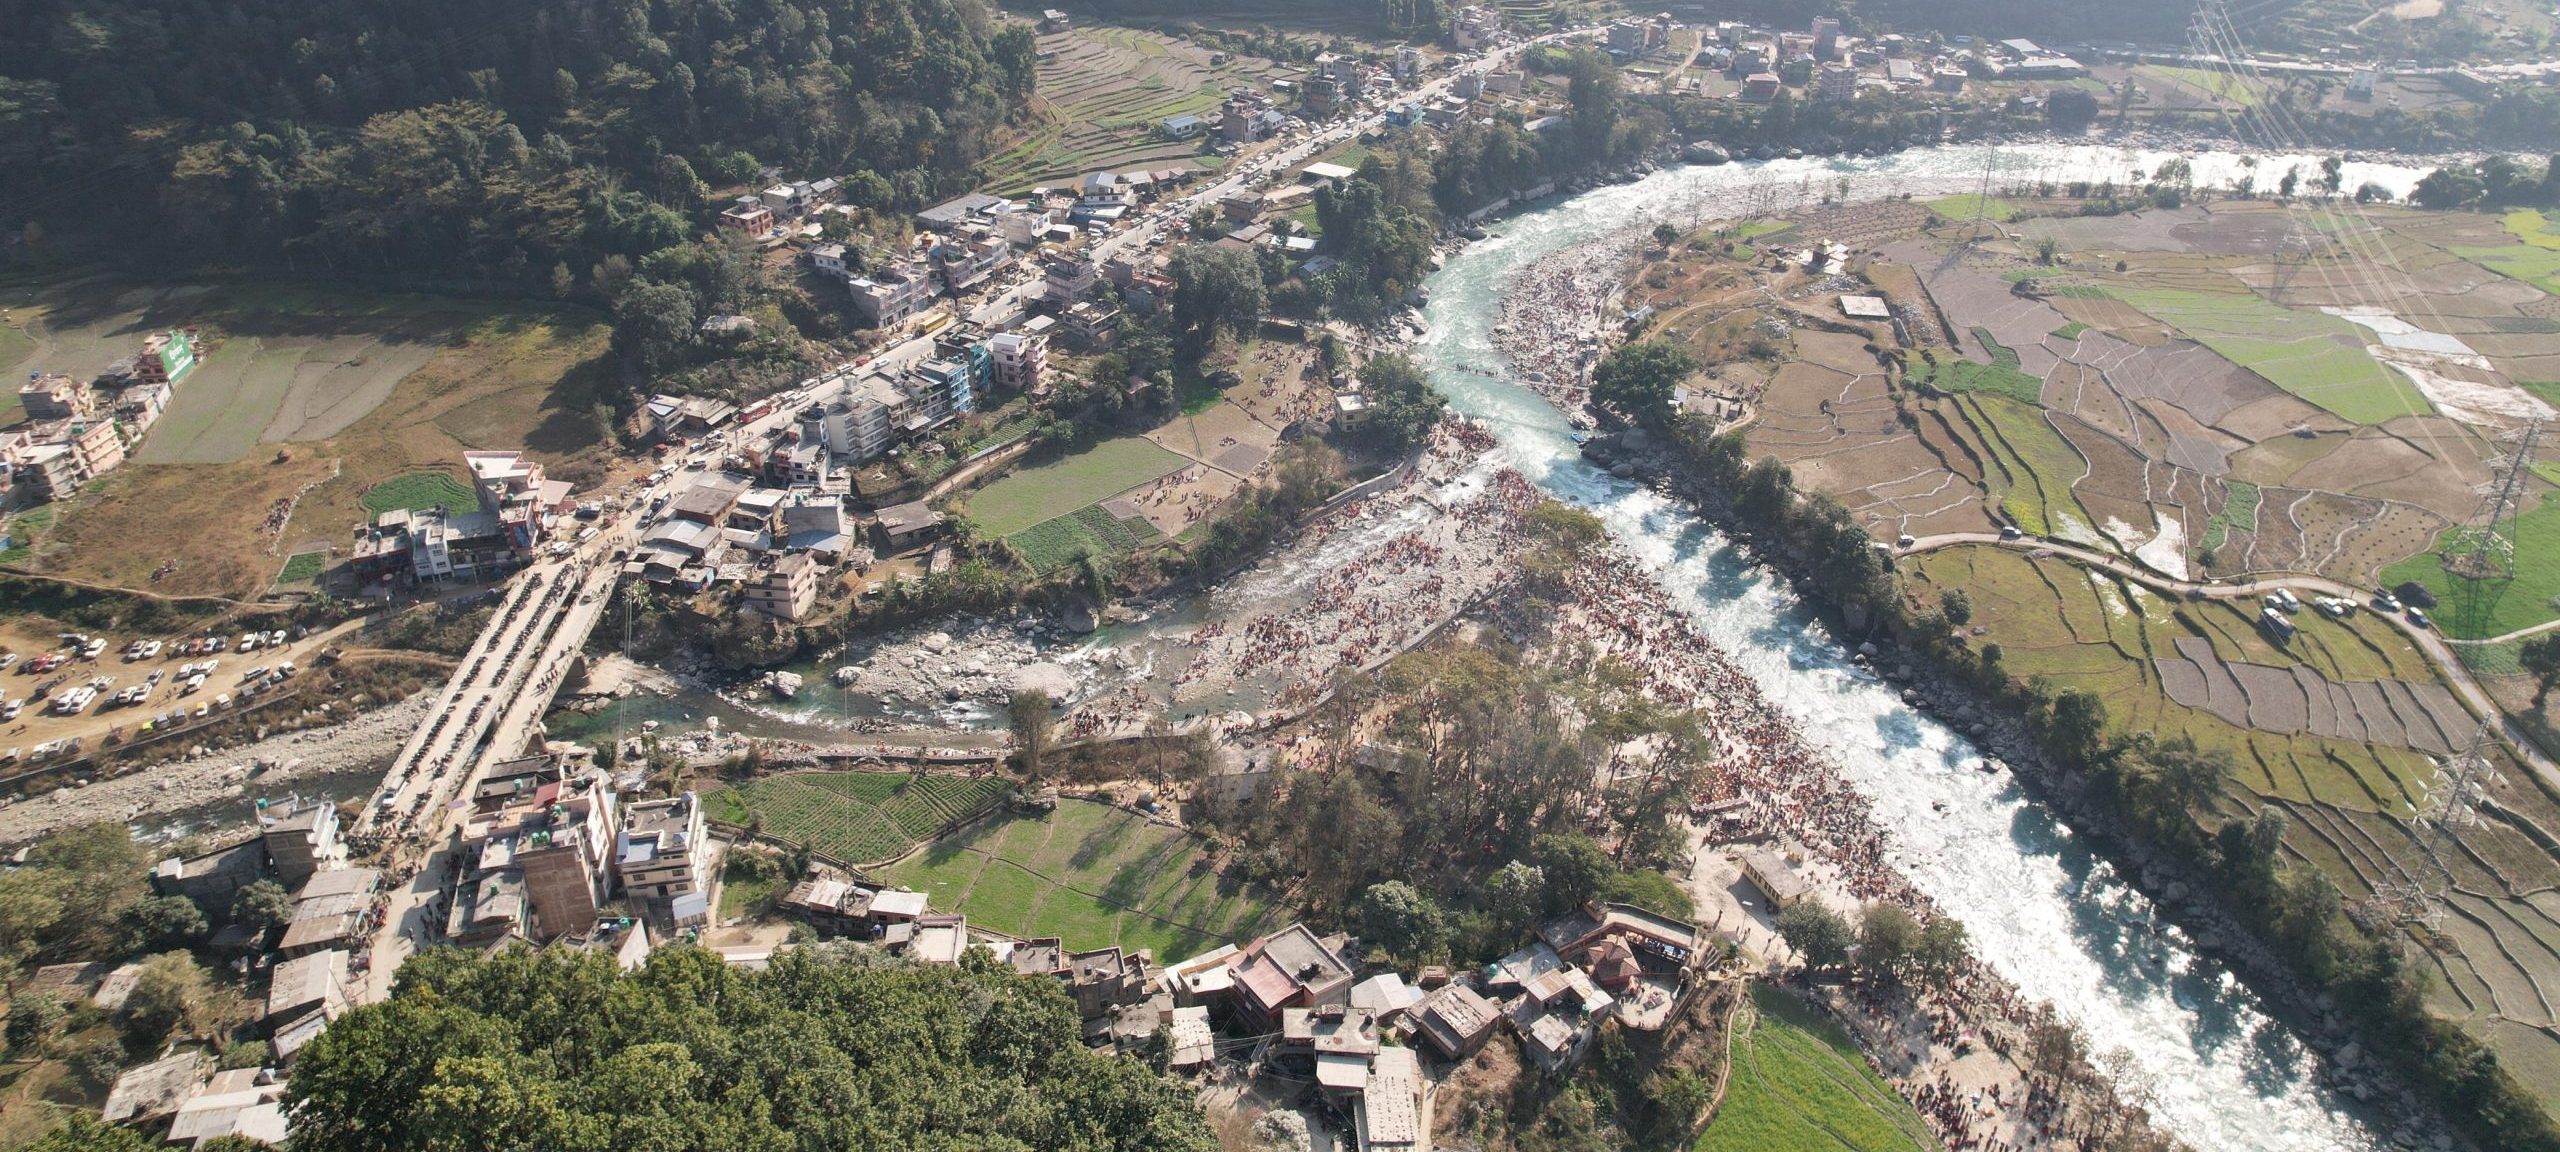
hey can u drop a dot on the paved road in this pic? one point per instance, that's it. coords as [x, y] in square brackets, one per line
[1270, 161]
[2427, 640]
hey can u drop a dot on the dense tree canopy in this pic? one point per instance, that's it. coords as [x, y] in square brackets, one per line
[834, 1048]
[480, 140]
[1638, 380]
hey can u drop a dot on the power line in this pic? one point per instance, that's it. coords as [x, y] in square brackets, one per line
[2486, 547]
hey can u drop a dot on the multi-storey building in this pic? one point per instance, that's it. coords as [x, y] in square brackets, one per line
[892, 295]
[1021, 361]
[663, 852]
[860, 421]
[788, 590]
[513, 489]
[941, 389]
[972, 255]
[53, 396]
[1838, 84]
[165, 356]
[537, 847]
[1066, 276]
[748, 217]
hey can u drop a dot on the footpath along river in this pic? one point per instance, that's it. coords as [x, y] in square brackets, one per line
[2058, 922]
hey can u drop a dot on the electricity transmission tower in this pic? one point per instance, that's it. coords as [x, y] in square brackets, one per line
[2418, 896]
[2299, 247]
[2485, 549]
[1982, 196]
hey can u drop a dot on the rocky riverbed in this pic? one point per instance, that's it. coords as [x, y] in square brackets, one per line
[207, 779]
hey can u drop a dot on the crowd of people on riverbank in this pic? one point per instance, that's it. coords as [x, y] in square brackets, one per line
[1370, 594]
[1766, 780]
[1553, 318]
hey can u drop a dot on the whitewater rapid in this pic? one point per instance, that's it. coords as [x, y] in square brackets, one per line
[2041, 909]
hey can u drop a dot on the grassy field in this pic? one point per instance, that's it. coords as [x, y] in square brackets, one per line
[1800, 1085]
[1047, 491]
[1088, 531]
[2242, 92]
[419, 490]
[498, 377]
[2478, 609]
[857, 817]
[2315, 356]
[23, 530]
[1094, 876]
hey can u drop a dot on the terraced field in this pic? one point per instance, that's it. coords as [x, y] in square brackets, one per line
[857, 817]
[2534, 258]
[1104, 91]
[2478, 609]
[2039, 464]
[2317, 357]
[2348, 795]
[2186, 387]
[1094, 876]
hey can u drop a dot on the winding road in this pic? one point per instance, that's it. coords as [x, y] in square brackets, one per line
[2427, 640]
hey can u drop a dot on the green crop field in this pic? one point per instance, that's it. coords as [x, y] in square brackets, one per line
[1967, 206]
[2239, 512]
[303, 567]
[2070, 331]
[1088, 531]
[419, 490]
[2478, 609]
[2534, 259]
[2039, 465]
[2318, 357]
[1092, 875]
[1953, 375]
[1799, 1085]
[857, 817]
[1048, 491]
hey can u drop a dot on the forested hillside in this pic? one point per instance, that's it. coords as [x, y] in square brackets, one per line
[498, 141]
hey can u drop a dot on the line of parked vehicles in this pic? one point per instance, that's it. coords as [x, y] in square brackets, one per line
[2282, 603]
[70, 695]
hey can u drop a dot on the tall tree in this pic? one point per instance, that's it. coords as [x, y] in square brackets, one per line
[2541, 657]
[1637, 381]
[1215, 290]
[1032, 716]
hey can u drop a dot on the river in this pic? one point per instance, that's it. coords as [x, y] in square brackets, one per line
[2041, 909]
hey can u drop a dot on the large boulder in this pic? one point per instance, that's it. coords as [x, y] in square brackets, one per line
[1042, 677]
